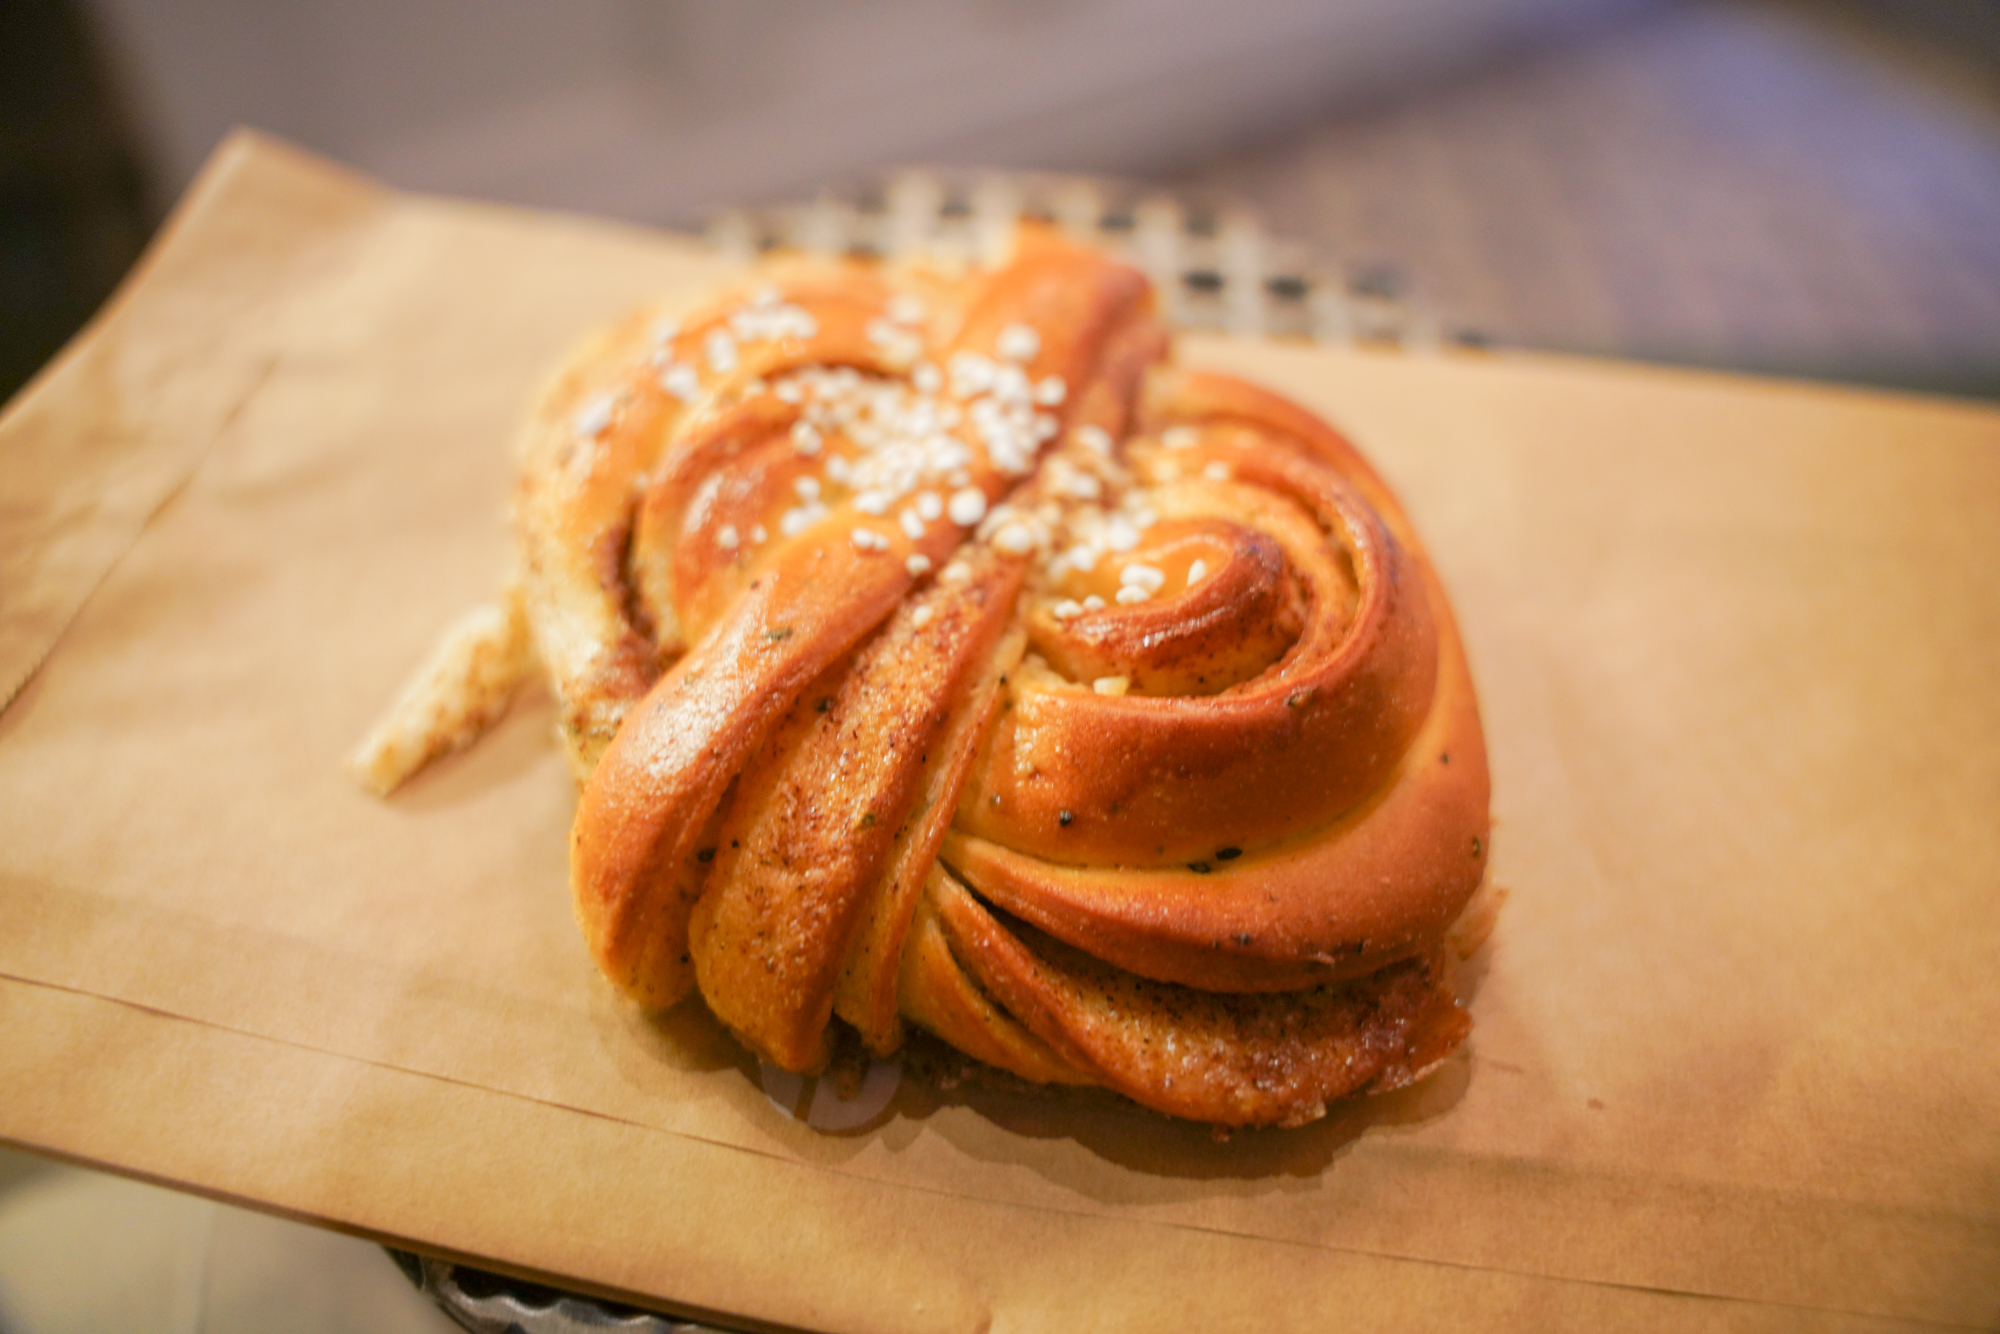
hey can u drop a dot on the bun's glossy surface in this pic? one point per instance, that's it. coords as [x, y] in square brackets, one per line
[932, 650]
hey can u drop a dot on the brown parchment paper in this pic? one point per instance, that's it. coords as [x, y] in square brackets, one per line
[1737, 1056]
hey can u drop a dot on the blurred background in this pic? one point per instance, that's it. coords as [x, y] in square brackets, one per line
[1802, 187]
[1806, 187]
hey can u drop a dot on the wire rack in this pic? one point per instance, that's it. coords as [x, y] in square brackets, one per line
[488, 1303]
[1211, 260]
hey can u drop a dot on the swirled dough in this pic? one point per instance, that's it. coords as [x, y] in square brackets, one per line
[932, 650]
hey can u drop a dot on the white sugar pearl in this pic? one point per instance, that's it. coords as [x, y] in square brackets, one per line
[967, 507]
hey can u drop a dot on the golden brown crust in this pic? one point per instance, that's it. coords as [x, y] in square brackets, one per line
[810, 832]
[938, 994]
[1384, 879]
[1231, 1059]
[935, 652]
[1175, 778]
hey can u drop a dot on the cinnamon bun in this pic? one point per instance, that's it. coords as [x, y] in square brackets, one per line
[931, 649]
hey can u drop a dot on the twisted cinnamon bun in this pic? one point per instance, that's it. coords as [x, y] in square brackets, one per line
[932, 650]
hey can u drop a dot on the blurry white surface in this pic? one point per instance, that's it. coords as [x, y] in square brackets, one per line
[659, 110]
[86, 1253]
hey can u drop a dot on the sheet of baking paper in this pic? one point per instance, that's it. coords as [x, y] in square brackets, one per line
[1737, 644]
